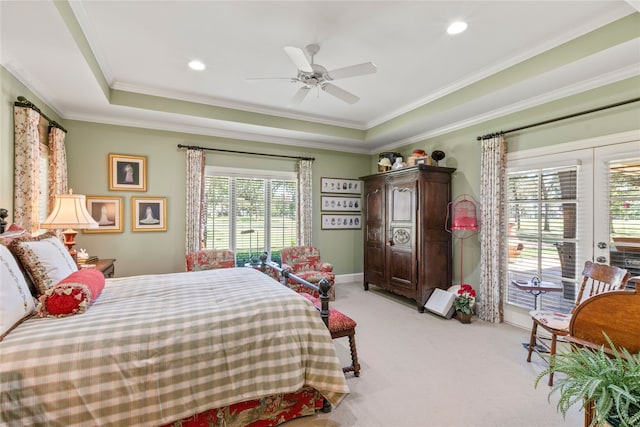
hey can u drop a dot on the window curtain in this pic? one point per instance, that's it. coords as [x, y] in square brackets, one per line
[195, 200]
[492, 237]
[58, 182]
[305, 213]
[26, 168]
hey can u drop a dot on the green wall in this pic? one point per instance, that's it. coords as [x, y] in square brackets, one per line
[463, 150]
[88, 145]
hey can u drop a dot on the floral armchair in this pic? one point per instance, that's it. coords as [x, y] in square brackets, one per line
[209, 259]
[304, 262]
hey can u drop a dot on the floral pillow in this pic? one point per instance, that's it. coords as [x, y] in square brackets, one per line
[16, 302]
[45, 258]
[73, 295]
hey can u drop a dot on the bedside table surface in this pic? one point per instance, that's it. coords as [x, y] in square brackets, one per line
[105, 265]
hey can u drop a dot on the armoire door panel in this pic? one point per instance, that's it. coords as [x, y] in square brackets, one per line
[401, 268]
[402, 202]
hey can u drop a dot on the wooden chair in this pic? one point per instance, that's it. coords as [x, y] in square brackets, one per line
[341, 325]
[597, 279]
[210, 259]
[618, 315]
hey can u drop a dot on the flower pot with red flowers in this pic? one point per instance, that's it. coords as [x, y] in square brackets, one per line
[464, 303]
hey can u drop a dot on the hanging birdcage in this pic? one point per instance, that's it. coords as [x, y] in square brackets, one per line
[464, 222]
[464, 215]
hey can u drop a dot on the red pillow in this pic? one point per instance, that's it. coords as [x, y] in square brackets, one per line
[72, 295]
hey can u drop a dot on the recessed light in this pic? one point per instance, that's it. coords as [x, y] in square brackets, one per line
[457, 27]
[196, 65]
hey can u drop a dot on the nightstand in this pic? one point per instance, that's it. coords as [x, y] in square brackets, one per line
[106, 266]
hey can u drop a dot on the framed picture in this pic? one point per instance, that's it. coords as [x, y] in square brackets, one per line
[340, 185]
[128, 173]
[148, 214]
[338, 203]
[107, 211]
[341, 222]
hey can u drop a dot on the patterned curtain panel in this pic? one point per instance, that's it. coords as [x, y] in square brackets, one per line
[26, 168]
[305, 213]
[195, 200]
[58, 183]
[492, 240]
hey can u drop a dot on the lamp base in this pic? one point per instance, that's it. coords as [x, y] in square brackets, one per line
[69, 241]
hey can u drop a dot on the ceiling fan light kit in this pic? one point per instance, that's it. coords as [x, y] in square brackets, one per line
[313, 75]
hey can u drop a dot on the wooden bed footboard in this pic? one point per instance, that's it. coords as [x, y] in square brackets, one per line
[283, 274]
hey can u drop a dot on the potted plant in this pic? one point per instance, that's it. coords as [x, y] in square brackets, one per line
[464, 302]
[609, 379]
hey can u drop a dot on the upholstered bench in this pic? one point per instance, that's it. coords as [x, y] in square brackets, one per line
[341, 325]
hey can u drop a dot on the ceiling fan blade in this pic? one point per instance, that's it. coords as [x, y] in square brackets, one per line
[340, 93]
[352, 71]
[257, 79]
[298, 57]
[300, 95]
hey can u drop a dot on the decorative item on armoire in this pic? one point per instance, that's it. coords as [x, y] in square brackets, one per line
[385, 165]
[399, 164]
[437, 155]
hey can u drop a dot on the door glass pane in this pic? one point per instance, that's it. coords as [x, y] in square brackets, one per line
[542, 224]
[624, 215]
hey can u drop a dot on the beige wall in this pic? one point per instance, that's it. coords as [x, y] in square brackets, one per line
[88, 145]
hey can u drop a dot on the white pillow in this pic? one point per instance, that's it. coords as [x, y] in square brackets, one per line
[16, 301]
[45, 258]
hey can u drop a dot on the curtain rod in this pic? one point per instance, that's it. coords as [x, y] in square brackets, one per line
[24, 102]
[195, 147]
[557, 119]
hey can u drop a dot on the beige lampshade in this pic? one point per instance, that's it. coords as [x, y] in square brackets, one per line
[69, 211]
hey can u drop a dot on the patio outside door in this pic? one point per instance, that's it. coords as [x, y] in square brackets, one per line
[564, 209]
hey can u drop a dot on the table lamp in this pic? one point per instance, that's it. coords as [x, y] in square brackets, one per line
[69, 212]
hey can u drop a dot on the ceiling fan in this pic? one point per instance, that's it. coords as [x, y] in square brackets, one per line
[313, 75]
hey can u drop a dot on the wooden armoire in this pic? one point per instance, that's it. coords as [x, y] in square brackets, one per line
[407, 249]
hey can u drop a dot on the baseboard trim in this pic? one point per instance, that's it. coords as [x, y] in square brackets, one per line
[349, 278]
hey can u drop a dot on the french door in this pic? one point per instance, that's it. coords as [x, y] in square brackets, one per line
[563, 209]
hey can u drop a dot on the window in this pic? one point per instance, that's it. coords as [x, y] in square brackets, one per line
[624, 215]
[250, 212]
[542, 235]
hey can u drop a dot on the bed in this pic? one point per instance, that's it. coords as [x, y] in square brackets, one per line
[223, 347]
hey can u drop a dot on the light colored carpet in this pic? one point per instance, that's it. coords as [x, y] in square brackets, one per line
[419, 369]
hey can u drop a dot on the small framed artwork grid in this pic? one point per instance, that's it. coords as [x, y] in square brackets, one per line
[340, 185]
[340, 203]
[341, 222]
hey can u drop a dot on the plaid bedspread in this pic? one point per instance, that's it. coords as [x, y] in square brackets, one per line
[157, 348]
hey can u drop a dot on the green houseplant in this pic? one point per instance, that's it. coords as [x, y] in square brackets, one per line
[610, 379]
